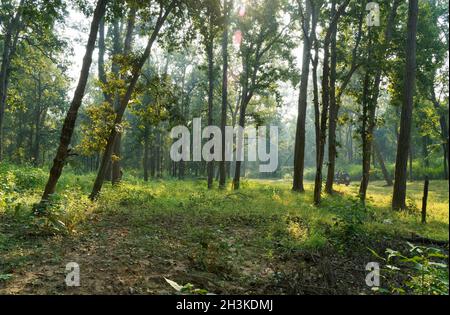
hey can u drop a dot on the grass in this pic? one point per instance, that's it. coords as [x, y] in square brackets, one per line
[263, 239]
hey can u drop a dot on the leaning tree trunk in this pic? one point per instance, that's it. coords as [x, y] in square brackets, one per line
[71, 117]
[136, 73]
[300, 139]
[399, 197]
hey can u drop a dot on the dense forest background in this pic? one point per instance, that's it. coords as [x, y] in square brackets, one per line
[174, 86]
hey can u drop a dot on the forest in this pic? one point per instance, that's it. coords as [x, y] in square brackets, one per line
[224, 147]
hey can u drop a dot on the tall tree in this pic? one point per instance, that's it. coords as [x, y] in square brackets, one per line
[27, 22]
[63, 151]
[300, 139]
[207, 18]
[228, 5]
[371, 95]
[116, 172]
[404, 141]
[11, 37]
[263, 40]
[164, 11]
[337, 93]
[334, 18]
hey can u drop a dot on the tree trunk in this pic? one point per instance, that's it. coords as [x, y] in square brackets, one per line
[152, 159]
[399, 197]
[316, 97]
[326, 99]
[350, 144]
[146, 153]
[425, 153]
[136, 72]
[335, 101]
[39, 110]
[444, 132]
[411, 159]
[323, 118]
[365, 138]
[332, 151]
[101, 59]
[71, 117]
[300, 139]
[369, 122]
[116, 170]
[323, 124]
[237, 171]
[210, 56]
[113, 99]
[222, 165]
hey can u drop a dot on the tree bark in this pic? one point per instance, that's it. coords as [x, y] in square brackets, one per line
[399, 197]
[63, 150]
[300, 139]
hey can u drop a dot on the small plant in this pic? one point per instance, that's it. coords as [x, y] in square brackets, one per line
[348, 230]
[60, 215]
[5, 277]
[425, 268]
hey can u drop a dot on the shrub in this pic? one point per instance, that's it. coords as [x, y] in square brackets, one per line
[426, 270]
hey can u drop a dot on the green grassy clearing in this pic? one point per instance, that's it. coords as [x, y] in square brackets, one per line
[263, 239]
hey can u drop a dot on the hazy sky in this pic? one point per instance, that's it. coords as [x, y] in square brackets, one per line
[76, 32]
